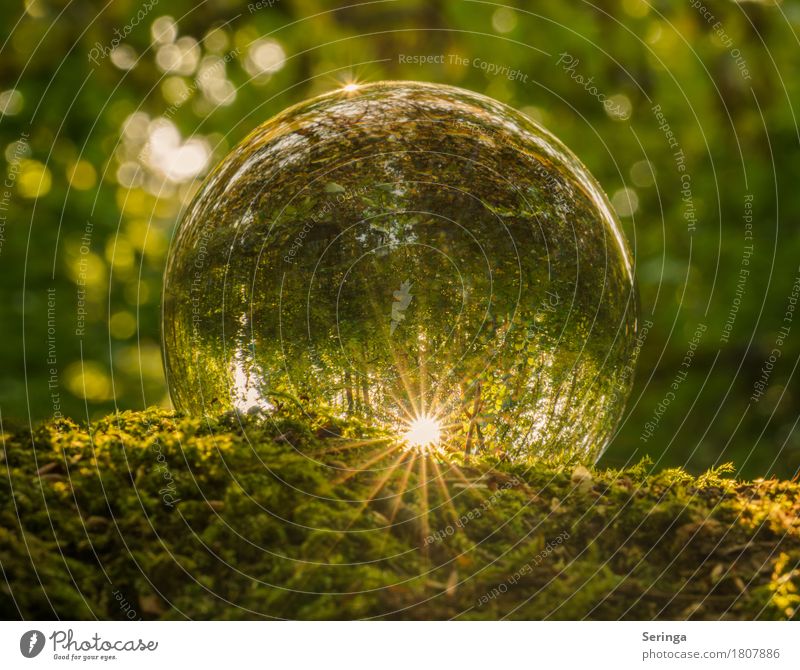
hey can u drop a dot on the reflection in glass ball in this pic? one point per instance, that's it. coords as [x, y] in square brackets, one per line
[400, 251]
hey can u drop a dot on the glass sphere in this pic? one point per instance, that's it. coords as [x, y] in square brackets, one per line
[413, 254]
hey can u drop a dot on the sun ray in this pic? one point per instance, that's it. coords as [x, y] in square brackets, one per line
[399, 363]
[364, 465]
[423, 487]
[423, 432]
[385, 477]
[370, 497]
[401, 489]
[470, 484]
[377, 487]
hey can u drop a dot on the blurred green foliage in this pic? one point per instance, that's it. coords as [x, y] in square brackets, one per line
[101, 155]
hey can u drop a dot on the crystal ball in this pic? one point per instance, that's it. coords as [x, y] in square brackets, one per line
[411, 254]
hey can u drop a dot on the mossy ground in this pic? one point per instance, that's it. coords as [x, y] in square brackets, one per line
[156, 516]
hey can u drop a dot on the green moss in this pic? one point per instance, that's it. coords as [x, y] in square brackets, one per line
[167, 517]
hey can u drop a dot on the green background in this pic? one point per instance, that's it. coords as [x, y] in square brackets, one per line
[74, 160]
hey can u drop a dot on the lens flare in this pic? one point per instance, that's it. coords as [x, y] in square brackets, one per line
[423, 432]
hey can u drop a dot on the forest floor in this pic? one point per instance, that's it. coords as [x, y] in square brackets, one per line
[150, 515]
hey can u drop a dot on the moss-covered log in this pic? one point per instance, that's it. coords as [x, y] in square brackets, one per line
[155, 516]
